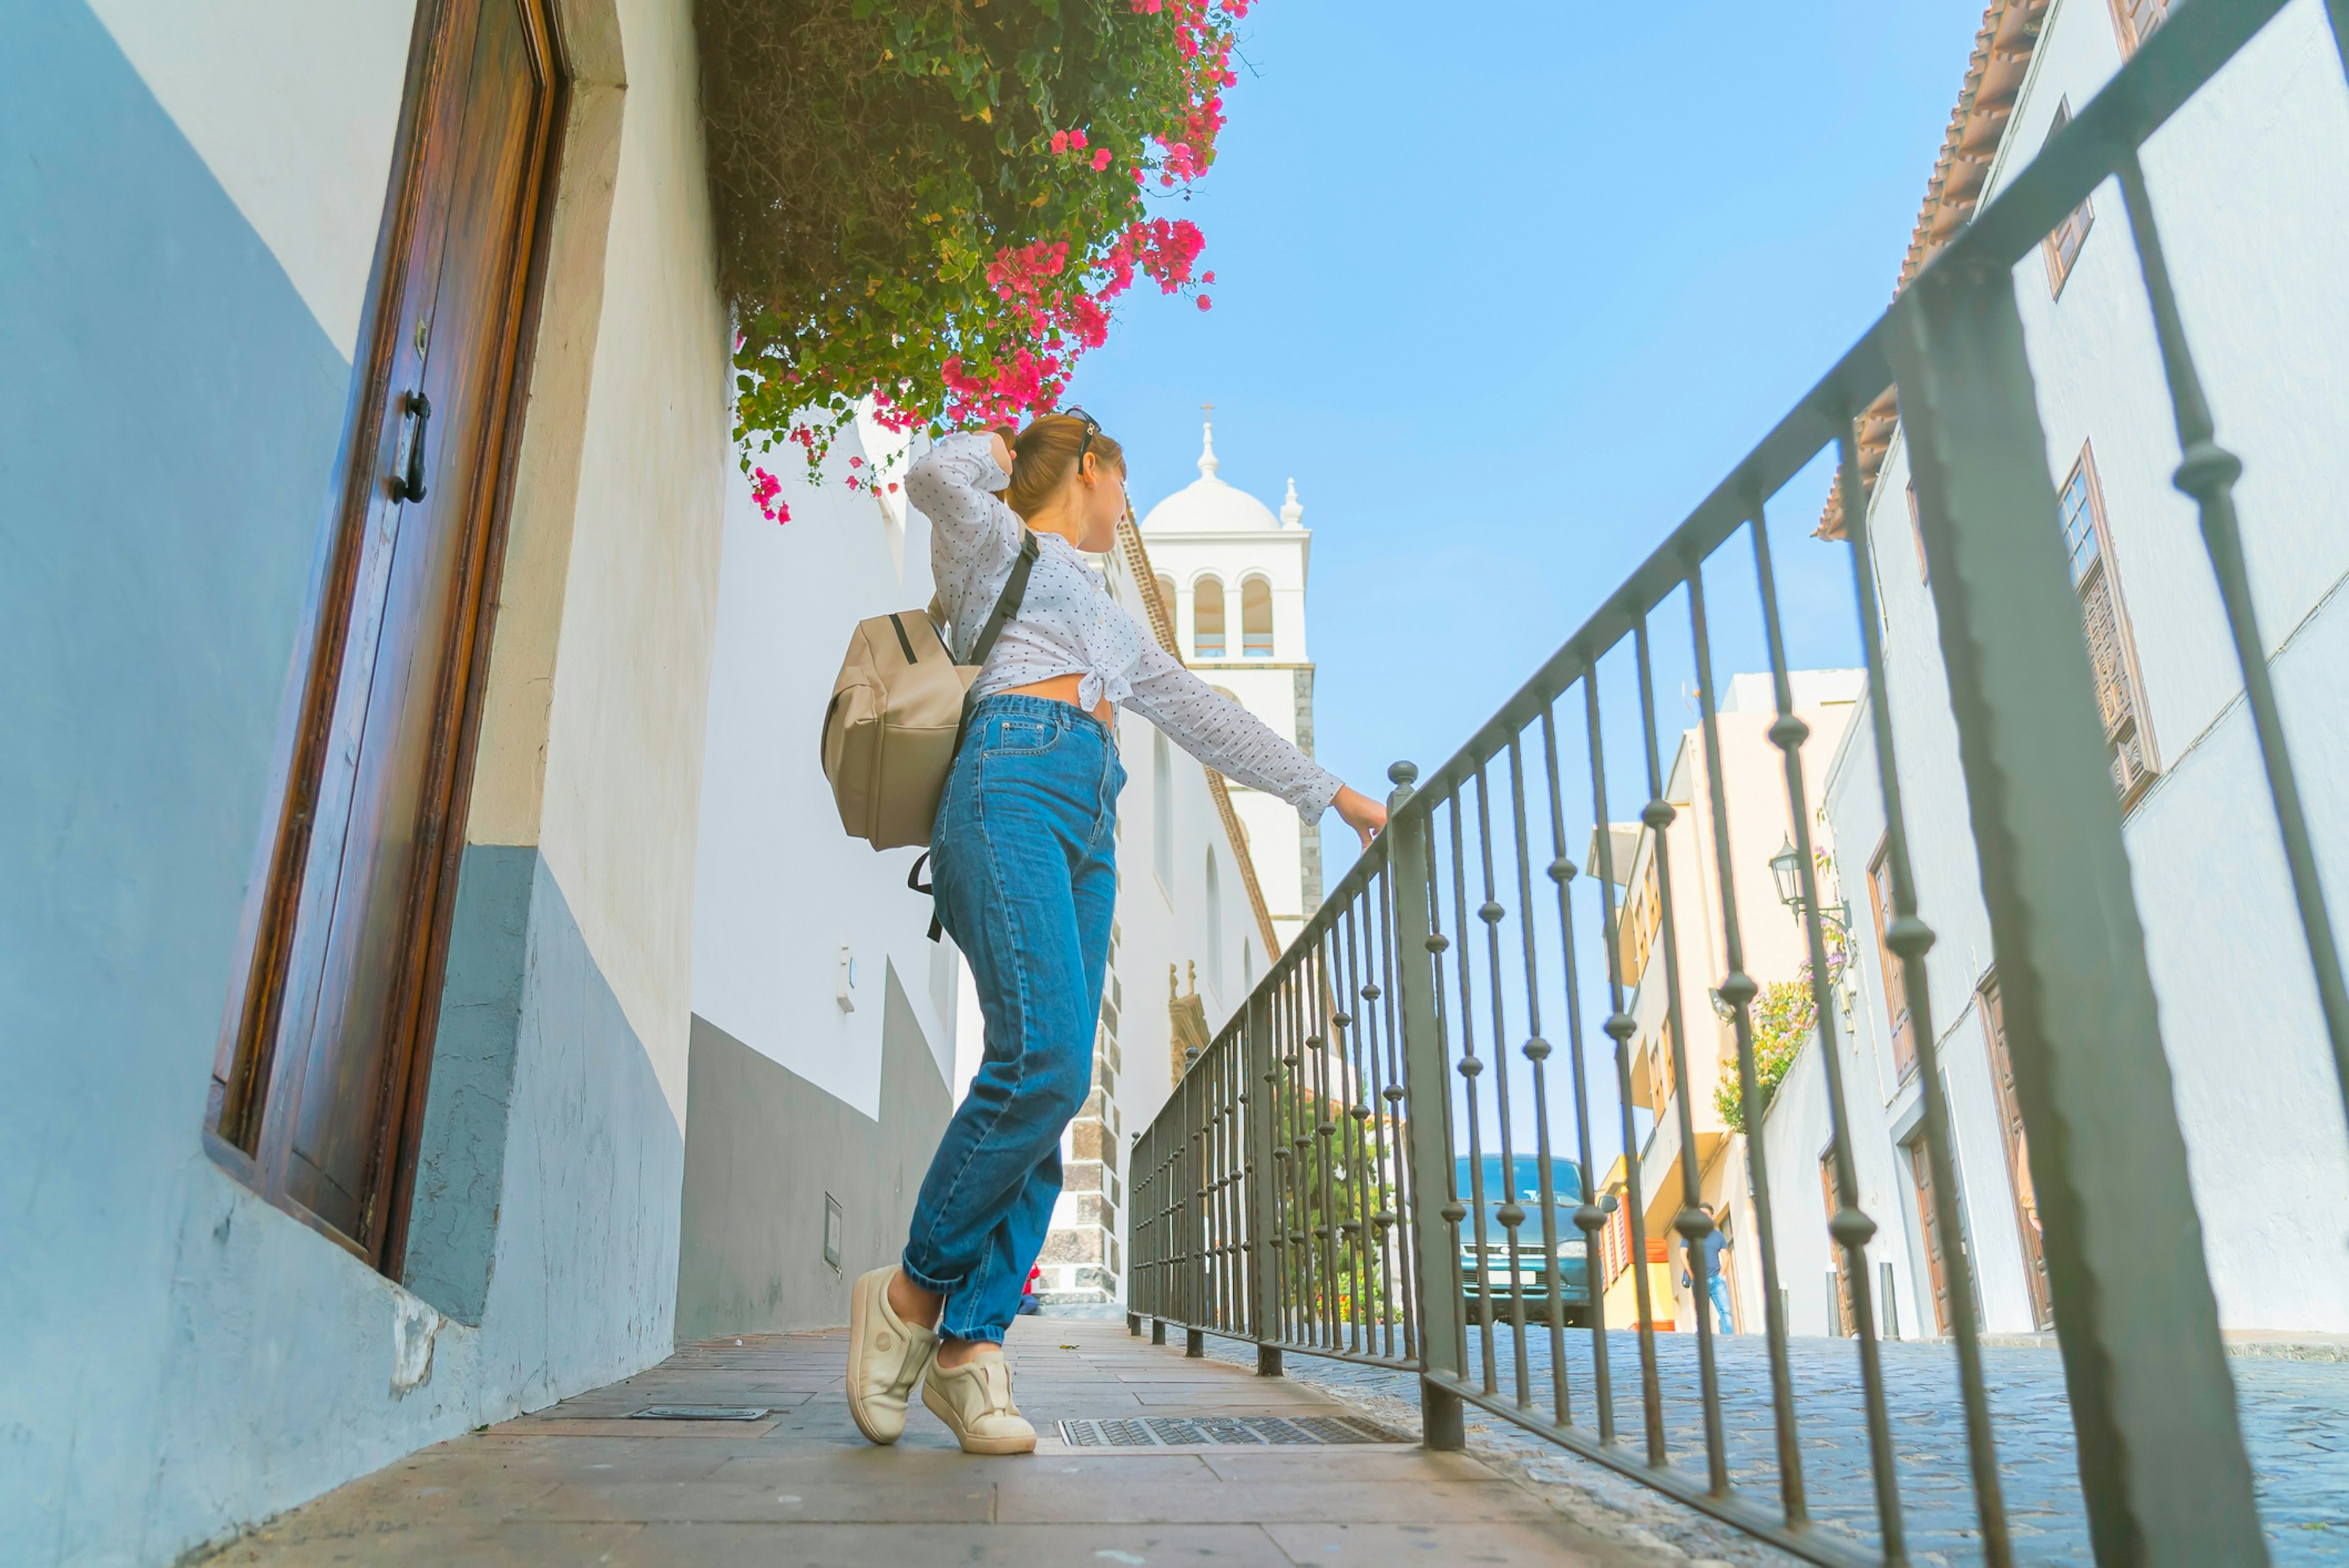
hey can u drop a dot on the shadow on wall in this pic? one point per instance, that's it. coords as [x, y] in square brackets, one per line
[765, 1149]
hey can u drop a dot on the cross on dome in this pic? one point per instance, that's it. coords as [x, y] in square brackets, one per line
[1208, 462]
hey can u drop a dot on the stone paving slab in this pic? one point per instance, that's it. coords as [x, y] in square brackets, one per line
[582, 1484]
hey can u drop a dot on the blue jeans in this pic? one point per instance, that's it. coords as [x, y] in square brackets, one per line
[1023, 861]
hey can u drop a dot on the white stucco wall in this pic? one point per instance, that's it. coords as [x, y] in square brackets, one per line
[780, 886]
[188, 1358]
[1884, 1104]
[1163, 923]
[624, 737]
[2248, 182]
[294, 106]
[1266, 686]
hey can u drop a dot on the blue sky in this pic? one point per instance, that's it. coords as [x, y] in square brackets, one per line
[1508, 296]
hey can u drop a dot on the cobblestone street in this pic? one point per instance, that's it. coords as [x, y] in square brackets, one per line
[2295, 1416]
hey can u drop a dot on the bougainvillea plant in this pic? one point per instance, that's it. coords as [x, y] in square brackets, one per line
[930, 207]
[1785, 1015]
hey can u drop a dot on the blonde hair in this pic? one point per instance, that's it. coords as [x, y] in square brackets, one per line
[1046, 453]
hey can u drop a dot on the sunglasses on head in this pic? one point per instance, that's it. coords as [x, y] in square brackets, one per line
[1092, 428]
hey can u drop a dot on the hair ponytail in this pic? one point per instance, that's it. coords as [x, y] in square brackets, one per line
[1045, 453]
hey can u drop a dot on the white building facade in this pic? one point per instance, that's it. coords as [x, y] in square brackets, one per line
[2264, 154]
[1236, 577]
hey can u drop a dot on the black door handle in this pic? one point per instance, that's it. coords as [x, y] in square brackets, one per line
[411, 486]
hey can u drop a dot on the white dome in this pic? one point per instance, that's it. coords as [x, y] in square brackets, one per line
[1208, 505]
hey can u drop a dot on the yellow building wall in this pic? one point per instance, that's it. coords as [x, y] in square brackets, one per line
[1621, 1301]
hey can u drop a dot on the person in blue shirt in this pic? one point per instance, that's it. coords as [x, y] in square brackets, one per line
[1716, 1242]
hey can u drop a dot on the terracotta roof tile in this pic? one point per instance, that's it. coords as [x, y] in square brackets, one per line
[1995, 73]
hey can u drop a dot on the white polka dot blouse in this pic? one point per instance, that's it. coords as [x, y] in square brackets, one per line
[1068, 625]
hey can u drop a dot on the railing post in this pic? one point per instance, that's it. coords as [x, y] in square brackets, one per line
[1427, 1083]
[1262, 1109]
[2162, 1466]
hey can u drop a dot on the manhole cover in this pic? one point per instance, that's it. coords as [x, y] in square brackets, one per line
[700, 1413]
[1220, 1431]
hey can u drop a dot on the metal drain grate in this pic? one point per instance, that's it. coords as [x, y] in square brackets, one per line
[1221, 1431]
[700, 1413]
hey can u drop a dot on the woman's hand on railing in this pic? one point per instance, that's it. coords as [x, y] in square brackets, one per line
[1362, 813]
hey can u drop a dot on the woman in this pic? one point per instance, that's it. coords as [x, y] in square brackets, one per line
[1023, 864]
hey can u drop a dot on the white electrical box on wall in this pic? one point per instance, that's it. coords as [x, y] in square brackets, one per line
[843, 983]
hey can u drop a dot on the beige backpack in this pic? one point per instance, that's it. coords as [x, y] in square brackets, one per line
[897, 713]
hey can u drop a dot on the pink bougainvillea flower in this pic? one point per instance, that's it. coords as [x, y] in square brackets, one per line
[763, 489]
[1044, 302]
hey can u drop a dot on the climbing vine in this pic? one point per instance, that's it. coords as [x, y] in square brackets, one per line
[1785, 1015]
[930, 207]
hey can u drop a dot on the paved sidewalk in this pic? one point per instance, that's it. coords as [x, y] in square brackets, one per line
[583, 1482]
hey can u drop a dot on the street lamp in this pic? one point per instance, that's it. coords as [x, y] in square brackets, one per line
[1786, 870]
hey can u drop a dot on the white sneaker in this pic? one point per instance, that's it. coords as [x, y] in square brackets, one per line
[887, 1357]
[973, 1400]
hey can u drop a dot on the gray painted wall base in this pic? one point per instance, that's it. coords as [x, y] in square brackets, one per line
[764, 1147]
[462, 1157]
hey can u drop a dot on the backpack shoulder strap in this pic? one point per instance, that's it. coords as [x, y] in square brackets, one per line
[1006, 603]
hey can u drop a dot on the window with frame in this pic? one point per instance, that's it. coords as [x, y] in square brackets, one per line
[1208, 619]
[2134, 20]
[2112, 648]
[1896, 981]
[1256, 618]
[2062, 247]
[1642, 914]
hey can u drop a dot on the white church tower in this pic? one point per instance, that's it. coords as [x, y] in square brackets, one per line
[1236, 576]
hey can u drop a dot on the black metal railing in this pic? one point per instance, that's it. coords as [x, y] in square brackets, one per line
[1303, 1187]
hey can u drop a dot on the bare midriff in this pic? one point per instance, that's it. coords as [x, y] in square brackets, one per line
[1061, 688]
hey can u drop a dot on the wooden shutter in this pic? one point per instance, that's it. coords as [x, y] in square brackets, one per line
[325, 1083]
[2061, 248]
[2134, 20]
[2112, 653]
[2018, 1159]
[1895, 979]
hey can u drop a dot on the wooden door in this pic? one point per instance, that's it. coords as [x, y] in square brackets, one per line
[326, 1080]
[1921, 1171]
[2018, 1161]
[1846, 1314]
